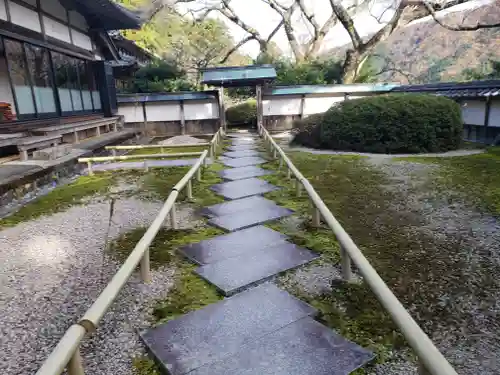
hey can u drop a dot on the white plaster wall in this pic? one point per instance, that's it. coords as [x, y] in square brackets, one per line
[473, 112]
[166, 111]
[3, 10]
[281, 106]
[24, 17]
[495, 113]
[131, 112]
[56, 29]
[315, 105]
[76, 19]
[81, 40]
[200, 110]
[55, 9]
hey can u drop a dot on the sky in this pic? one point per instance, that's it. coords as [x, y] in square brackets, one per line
[264, 19]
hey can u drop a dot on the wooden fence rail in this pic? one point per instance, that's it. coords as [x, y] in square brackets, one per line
[66, 354]
[431, 361]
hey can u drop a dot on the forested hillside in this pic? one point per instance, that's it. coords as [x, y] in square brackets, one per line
[427, 52]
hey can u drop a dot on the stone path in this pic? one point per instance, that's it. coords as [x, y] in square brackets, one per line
[259, 329]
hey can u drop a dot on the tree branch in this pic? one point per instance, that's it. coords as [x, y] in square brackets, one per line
[475, 27]
[235, 48]
[348, 23]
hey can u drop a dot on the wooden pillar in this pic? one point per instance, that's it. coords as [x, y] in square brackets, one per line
[302, 105]
[260, 111]
[145, 119]
[222, 110]
[487, 109]
[183, 118]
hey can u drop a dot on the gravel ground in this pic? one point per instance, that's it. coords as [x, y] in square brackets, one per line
[53, 268]
[469, 340]
[181, 140]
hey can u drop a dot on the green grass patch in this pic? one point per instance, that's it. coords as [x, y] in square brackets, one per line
[145, 366]
[473, 178]
[61, 198]
[162, 249]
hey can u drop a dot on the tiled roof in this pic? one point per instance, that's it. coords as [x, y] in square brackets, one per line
[107, 15]
[456, 89]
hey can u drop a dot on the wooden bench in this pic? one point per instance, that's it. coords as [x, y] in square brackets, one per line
[75, 129]
[30, 143]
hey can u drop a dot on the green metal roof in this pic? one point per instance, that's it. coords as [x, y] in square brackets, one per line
[330, 89]
[238, 75]
[166, 96]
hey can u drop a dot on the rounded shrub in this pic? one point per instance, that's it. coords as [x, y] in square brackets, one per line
[393, 123]
[242, 114]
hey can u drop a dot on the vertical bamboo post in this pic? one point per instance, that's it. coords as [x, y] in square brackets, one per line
[198, 174]
[288, 173]
[173, 217]
[316, 216]
[113, 152]
[189, 189]
[89, 168]
[75, 364]
[346, 264]
[298, 188]
[145, 267]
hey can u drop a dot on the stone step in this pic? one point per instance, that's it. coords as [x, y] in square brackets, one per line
[255, 202]
[219, 330]
[241, 173]
[250, 218]
[304, 347]
[232, 275]
[232, 244]
[243, 188]
[243, 162]
[240, 154]
[243, 147]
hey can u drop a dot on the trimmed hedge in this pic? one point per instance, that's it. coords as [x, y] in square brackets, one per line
[243, 114]
[394, 123]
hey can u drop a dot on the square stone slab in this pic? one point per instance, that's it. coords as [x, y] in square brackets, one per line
[249, 218]
[243, 172]
[241, 154]
[242, 147]
[255, 202]
[243, 162]
[304, 347]
[235, 274]
[232, 244]
[243, 188]
[219, 330]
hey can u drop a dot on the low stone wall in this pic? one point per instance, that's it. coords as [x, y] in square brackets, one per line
[279, 123]
[171, 128]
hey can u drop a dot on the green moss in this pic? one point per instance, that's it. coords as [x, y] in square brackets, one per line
[145, 366]
[61, 198]
[158, 182]
[162, 249]
[473, 178]
[189, 293]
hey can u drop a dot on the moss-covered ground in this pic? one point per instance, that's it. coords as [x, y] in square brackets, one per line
[473, 178]
[169, 150]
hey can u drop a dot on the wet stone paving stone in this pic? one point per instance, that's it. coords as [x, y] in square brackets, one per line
[244, 172]
[232, 244]
[243, 162]
[243, 188]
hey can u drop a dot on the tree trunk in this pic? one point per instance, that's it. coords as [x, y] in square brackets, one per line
[350, 67]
